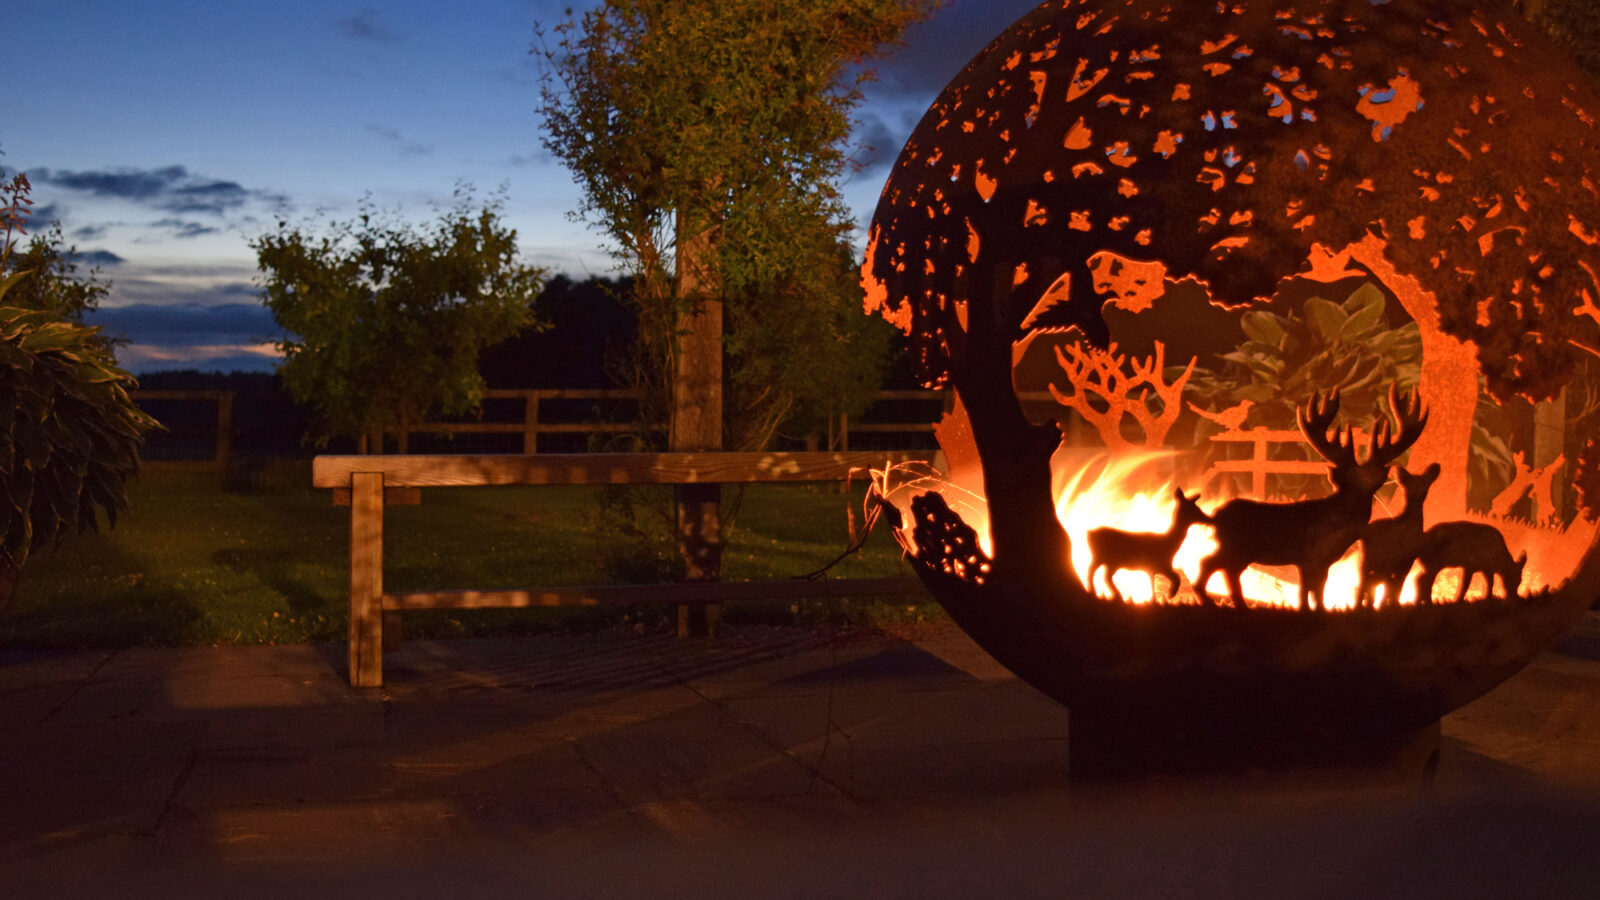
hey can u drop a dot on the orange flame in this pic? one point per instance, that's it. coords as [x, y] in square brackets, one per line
[1133, 492]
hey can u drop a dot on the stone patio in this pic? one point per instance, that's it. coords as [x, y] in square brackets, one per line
[771, 763]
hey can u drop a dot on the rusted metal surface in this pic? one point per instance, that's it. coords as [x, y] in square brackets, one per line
[1114, 187]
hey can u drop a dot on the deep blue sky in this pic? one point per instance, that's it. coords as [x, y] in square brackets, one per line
[163, 135]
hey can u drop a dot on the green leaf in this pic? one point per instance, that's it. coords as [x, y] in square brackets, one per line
[1327, 319]
[1263, 327]
[1365, 308]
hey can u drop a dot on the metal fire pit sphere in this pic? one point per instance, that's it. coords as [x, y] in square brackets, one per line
[1289, 312]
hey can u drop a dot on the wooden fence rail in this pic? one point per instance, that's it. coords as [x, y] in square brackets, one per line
[223, 448]
[366, 483]
[533, 425]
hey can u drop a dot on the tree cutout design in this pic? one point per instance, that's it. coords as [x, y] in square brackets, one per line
[1103, 394]
[1530, 482]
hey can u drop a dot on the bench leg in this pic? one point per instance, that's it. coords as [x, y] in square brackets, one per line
[700, 544]
[366, 579]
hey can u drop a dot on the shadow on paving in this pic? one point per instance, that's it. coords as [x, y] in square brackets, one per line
[778, 762]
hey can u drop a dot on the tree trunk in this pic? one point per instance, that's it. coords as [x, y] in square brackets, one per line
[696, 424]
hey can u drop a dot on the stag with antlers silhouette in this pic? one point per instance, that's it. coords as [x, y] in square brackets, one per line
[1311, 535]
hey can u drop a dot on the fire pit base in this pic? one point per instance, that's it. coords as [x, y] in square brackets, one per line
[1104, 751]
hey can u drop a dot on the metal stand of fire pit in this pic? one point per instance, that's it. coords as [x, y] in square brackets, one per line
[1100, 751]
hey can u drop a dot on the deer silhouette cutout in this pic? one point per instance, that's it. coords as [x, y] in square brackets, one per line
[1390, 546]
[1311, 535]
[1474, 548]
[1151, 552]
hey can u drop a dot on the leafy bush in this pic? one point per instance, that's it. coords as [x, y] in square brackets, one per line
[69, 432]
[1350, 346]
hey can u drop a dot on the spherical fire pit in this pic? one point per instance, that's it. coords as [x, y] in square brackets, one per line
[1274, 329]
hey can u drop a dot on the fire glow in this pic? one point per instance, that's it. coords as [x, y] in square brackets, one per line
[1133, 492]
[1097, 495]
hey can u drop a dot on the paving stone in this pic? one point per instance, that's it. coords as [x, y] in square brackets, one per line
[308, 832]
[221, 778]
[898, 774]
[31, 668]
[65, 785]
[295, 727]
[310, 660]
[697, 753]
[1004, 711]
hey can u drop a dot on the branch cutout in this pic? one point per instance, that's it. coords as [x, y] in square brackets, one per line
[1096, 374]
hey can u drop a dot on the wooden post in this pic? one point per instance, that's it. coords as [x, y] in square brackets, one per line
[530, 422]
[366, 579]
[224, 429]
[1258, 469]
[697, 413]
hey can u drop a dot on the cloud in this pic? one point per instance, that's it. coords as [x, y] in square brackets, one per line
[175, 285]
[189, 324]
[90, 232]
[399, 142]
[170, 188]
[42, 217]
[876, 143]
[184, 228]
[100, 258]
[223, 337]
[366, 25]
[142, 359]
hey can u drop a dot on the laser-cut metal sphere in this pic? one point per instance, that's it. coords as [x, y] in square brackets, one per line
[1103, 156]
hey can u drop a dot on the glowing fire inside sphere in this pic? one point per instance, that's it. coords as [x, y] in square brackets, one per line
[1275, 334]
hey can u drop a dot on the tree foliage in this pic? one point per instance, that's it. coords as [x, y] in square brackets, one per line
[386, 321]
[1573, 24]
[57, 286]
[733, 116]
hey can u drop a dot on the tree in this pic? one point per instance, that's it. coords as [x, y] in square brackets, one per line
[385, 322]
[708, 140]
[69, 432]
[1573, 24]
[55, 287]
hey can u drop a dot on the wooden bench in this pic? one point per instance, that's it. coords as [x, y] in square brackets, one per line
[367, 483]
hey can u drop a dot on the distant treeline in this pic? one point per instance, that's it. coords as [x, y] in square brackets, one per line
[587, 329]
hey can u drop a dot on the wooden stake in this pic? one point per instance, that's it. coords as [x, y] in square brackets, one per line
[366, 579]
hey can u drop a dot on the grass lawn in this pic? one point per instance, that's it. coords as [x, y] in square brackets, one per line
[192, 563]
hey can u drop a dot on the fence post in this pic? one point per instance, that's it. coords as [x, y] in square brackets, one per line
[366, 579]
[1258, 456]
[530, 422]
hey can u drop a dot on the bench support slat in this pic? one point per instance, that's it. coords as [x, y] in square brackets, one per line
[624, 594]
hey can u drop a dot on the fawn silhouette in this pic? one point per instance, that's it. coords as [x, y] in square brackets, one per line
[1473, 548]
[1311, 535]
[1151, 552]
[1390, 546]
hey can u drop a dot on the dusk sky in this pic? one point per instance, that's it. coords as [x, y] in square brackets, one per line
[164, 135]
